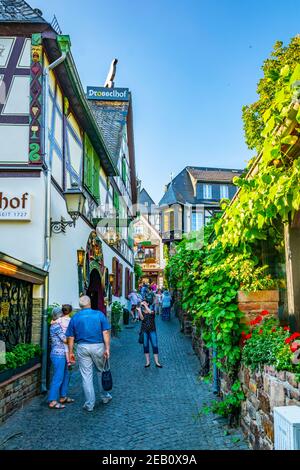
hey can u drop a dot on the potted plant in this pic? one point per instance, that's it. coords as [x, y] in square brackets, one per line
[116, 313]
[20, 358]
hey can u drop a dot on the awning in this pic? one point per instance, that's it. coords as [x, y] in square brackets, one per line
[19, 270]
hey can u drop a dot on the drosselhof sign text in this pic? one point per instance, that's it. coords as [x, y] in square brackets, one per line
[107, 94]
[15, 206]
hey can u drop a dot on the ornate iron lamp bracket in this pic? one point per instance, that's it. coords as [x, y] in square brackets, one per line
[60, 226]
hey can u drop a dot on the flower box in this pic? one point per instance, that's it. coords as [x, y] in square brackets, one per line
[9, 373]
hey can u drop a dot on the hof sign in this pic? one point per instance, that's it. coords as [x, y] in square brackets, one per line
[107, 94]
[15, 206]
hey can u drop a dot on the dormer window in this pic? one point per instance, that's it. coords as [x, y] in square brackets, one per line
[224, 191]
[207, 191]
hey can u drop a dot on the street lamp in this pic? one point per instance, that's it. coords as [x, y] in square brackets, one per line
[75, 200]
[80, 257]
[111, 278]
[141, 254]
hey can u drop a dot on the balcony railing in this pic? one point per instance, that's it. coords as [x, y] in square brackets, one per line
[172, 235]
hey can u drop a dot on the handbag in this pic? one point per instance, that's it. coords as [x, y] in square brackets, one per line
[141, 337]
[106, 378]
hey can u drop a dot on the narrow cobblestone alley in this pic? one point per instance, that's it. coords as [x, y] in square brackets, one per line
[151, 409]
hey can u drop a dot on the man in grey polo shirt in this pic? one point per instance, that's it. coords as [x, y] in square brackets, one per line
[90, 330]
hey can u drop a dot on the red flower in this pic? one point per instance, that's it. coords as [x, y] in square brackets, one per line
[260, 331]
[248, 336]
[256, 320]
[265, 312]
[292, 337]
[294, 346]
[273, 329]
[286, 328]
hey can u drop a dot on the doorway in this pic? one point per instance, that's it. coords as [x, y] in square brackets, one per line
[95, 292]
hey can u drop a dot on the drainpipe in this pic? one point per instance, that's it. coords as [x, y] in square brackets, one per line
[64, 45]
[216, 382]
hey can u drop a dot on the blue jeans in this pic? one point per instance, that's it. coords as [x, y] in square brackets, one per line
[60, 380]
[152, 338]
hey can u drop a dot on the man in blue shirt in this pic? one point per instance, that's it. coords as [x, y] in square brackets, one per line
[90, 330]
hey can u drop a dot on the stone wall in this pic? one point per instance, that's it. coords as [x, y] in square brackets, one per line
[37, 312]
[265, 390]
[253, 303]
[18, 390]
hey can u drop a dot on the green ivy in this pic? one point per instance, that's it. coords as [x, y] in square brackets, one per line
[116, 313]
[230, 405]
[271, 195]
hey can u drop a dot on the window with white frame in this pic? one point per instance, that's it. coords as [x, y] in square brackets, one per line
[197, 220]
[224, 191]
[207, 191]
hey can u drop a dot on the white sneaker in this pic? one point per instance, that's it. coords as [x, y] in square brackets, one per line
[106, 399]
[85, 407]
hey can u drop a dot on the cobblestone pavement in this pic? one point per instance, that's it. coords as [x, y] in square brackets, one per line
[151, 409]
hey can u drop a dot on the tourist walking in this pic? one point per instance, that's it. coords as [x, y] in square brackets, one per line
[135, 300]
[166, 305]
[58, 392]
[148, 328]
[64, 321]
[90, 330]
[158, 302]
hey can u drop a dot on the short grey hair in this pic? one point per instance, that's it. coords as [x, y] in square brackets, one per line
[84, 301]
[56, 313]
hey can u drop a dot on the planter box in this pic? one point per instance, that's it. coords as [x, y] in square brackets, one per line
[8, 373]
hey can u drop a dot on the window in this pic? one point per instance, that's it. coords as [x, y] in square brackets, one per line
[149, 253]
[166, 222]
[116, 203]
[224, 191]
[124, 169]
[172, 220]
[197, 220]
[91, 169]
[118, 280]
[207, 191]
[138, 230]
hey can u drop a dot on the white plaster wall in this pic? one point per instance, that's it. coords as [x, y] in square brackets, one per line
[20, 239]
[63, 281]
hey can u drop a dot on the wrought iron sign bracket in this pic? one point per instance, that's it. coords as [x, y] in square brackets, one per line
[60, 226]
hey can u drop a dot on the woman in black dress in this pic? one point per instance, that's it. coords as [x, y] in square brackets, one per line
[149, 329]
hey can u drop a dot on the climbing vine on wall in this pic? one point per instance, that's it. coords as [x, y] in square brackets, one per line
[210, 277]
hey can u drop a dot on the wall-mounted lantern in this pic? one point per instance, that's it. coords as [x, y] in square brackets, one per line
[75, 200]
[80, 257]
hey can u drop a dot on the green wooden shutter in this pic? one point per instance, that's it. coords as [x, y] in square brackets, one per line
[124, 170]
[88, 163]
[96, 178]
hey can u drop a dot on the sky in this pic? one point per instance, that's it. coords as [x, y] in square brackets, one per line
[190, 64]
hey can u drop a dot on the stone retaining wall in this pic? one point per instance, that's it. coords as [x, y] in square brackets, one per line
[264, 390]
[18, 390]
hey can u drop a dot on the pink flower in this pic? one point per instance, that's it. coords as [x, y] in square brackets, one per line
[294, 346]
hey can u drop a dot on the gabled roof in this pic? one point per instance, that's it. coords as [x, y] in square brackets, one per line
[217, 175]
[182, 189]
[173, 195]
[19, 11]
[145, 198]
[111, 117]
